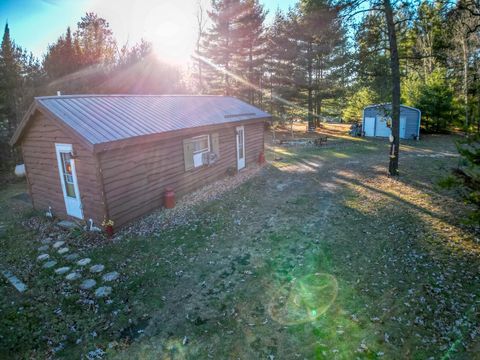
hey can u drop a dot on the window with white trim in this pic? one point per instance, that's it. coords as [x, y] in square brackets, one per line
[201, 150]
[201, 145]
[194, 150]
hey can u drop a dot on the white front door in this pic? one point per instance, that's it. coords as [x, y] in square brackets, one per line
[240, 147]
[68, 179]
[369, 125]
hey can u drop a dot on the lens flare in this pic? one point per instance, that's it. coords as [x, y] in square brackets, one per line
[303, 300]
[245, 82]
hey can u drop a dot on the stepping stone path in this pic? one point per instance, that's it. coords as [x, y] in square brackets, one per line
[72, 257]
[49, 264]
[97, 268]
[84, 262]
[67, 224]
[103, 291]
[88, 284]
[16, 282]
[58, 244]
[62, 270]
[43, 257]
[43, 248]
[47, 241]
[111, 276]
[62, 250]
[73, 276]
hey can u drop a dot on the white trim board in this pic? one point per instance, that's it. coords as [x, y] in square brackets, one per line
[73, 206]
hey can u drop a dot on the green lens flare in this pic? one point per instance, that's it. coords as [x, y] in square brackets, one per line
[303, 300]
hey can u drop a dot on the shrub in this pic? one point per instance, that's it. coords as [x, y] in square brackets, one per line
[469, 173]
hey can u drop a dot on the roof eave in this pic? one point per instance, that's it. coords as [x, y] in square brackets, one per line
[23, 124]
[122, 143]
[37, 105]
[69, 130]
[390, 104]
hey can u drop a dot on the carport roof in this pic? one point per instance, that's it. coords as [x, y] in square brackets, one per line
[106, 118]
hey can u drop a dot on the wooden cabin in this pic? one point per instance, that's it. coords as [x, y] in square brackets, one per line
[112, 156]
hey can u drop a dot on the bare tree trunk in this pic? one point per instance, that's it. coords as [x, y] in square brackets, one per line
[395, 68]
[250, 75]
[465, 80]
[201, 23]
[311, 124]
[271, 88]
[200, 76]
[319, 95]
[227, 64]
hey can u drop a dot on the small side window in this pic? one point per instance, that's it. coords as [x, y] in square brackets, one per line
[215, 141]
[194, 150]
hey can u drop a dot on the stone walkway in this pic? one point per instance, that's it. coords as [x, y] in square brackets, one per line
[16, 282]
[74, 269]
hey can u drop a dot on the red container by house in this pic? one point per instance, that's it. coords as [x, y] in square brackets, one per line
[261, 158]
[109, 230]
[169, 198]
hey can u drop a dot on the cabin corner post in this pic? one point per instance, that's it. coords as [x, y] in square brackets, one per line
[29, 185]
[99, 175]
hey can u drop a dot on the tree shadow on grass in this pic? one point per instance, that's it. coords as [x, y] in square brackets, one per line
[391, 298]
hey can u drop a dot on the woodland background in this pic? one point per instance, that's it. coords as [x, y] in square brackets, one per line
[322, 60]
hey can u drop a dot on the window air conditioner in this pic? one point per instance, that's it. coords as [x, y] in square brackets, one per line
[209, 158]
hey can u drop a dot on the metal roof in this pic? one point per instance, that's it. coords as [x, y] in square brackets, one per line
[105, 118]
[390, 105]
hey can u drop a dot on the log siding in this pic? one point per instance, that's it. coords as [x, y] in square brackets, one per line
[124, 182]
[134, 178]
[38, 148]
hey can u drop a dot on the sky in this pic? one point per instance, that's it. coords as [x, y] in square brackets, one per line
[168, 24]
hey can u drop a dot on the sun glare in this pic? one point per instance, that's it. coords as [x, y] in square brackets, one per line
[171, 29]
[169, 25]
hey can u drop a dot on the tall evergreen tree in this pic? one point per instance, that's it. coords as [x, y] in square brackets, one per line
[80, 62]
[198, 65]
[95, 41]
[465, 36]
[63, 57]
[10, 69]
[372, 56]
[316, 33]
[305, 60]
[220, 45]
[250, 49]
[19, 76]
[280, 60]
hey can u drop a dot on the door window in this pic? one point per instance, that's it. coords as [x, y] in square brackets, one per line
[67, 174]
[240, 143]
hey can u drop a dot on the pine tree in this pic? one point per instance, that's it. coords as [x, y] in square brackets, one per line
[63, 57]
[372, 61]
[95, 41]
[19, 76]
[465, 41]
[197, 74]
[469, 174]
[10, 68]
[280, 60]
[316, 35]
[220, 45]
[250, 43]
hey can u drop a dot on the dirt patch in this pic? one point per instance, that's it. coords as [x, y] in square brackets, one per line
[25, 197]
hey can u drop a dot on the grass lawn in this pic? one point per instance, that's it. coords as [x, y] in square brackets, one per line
[320, 256]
